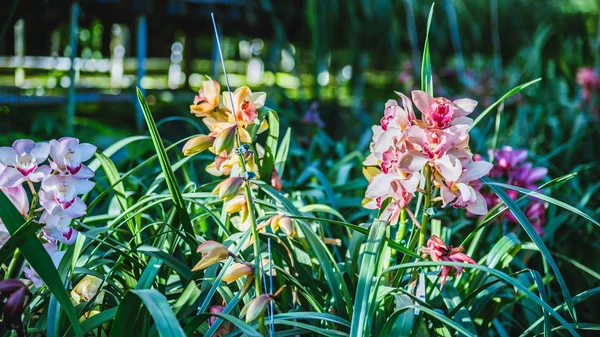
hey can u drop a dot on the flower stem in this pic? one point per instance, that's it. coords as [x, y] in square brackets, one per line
[402, 229]
[13, 264]
[426, 206]
[253, 226]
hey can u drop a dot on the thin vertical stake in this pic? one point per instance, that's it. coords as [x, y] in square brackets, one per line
[72, 92]
[141, 67]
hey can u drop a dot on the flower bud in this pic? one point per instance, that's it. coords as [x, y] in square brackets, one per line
[15, 305]
[197, 144]
[276, 180]
[238, 204]
[283, 223]
[228, 188]
[235, 271]
[225, 140]
[86, 289]
[212, 252]
[256, 308]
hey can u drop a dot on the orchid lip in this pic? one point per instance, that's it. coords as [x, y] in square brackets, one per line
[65, 203]
[26, 171]
[74, 169]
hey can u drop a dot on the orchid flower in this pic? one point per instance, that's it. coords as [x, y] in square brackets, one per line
[22, 161]
[439, 251]
[440, 113]
[245, 103]
[398, 116]
[467, 197]
[86, 289]
[58, 226]
[207, 99]
[61, 193]
[68, 156]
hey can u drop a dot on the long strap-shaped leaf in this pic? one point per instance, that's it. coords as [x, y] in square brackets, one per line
[516, 211]
[166, 322]
[39, 259]
[165, 164]
[366, 279]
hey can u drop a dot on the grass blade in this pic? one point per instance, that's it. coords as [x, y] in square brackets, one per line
[165, 164]
[513, 91]
[166, 322]
[368, 273]
[516, 211]
[426, 76]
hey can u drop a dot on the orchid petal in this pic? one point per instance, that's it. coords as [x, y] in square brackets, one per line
[449, 167]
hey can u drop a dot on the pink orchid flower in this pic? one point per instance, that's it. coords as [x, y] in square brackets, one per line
[440, 113]
[467, 197]
[22, 162]
[68, 155]
[61, 193]
[398, 116]
[439, 251]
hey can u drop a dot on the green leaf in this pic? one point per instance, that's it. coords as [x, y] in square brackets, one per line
[400, 323]
[452, 299]
[513, 91]
[147, 278]
[516, 211]
[97, 320]
[268, 161]
[544, 197]
[366, 279]
[282, 152]
[165, 164]
[426, 76]
[17, 238]
[39, 259]
[501, 275]
[165, 320]
[503, 251]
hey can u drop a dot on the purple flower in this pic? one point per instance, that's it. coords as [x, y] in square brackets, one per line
[22, 161]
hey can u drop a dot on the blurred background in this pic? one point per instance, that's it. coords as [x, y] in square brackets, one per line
[328, 67]
[73, 66]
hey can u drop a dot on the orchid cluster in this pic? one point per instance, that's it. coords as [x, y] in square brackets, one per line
[217, 113]
[233, 155]
[511, 167]
[409, 153]
[61, 182]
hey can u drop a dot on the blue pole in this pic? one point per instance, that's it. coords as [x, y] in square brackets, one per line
[141, 67]
[72, 92]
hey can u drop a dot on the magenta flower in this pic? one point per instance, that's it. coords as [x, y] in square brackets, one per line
[440, 113]
[22, 162]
